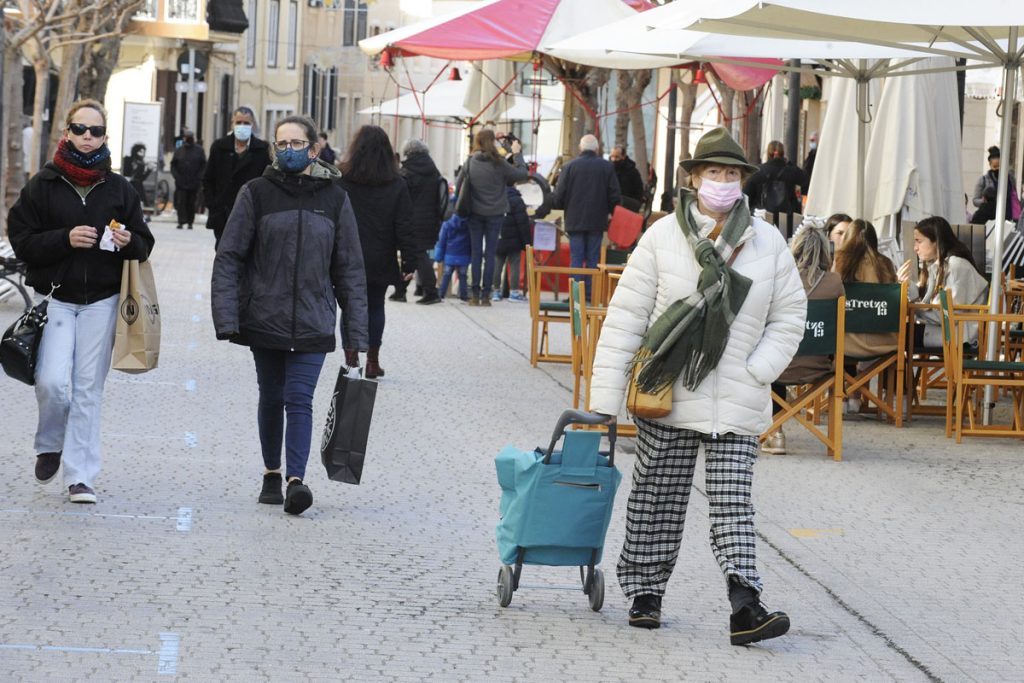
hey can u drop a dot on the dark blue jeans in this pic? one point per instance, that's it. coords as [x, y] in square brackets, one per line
[287, 381]
[483, 239]
[585, 252]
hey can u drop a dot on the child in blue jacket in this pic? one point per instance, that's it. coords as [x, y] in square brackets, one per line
[453, 250]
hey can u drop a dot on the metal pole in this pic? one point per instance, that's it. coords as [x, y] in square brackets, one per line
[1010, 68]
[190, 98]
[793, 114]
[668, 180]
[863, 118]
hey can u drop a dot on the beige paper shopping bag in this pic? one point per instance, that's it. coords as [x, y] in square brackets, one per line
[137, 334]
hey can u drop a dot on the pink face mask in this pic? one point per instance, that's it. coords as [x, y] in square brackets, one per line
[719, 196]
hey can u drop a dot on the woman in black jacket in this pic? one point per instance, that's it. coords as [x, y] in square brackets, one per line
[383, 208]
[289, 256]
[63, 227]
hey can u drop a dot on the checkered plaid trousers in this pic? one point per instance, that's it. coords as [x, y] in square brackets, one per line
[656, 511]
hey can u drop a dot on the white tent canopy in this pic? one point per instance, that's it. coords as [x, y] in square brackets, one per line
[444, 101]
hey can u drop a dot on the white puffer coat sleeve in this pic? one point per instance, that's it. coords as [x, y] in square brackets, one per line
[736, 396]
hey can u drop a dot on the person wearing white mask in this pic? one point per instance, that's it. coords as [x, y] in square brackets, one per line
[234, 160]
[709, 304]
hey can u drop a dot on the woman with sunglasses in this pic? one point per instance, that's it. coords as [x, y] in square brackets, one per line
[288, 257]
[59, 228]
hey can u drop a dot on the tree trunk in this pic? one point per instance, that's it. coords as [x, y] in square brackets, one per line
[622, 117]
[752, 123]
[41, 68]
[71, 60]
[12, 178]
[641, 79]
[98, 62]
[688, 102]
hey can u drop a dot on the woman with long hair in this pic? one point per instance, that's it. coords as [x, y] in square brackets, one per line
[383, 209]
[488, 171]
[811, 251]
[835, 229]
[288, 257]
[943, 261]
[57, 228]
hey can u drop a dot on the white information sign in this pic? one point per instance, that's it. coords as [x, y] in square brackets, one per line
[142, 126]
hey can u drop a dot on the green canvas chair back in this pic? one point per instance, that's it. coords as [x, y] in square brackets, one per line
[820, 329]
[576, 289]
[946, 326]
[872, 307]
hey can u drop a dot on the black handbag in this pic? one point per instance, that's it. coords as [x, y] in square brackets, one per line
[464, 194]
[19, 347]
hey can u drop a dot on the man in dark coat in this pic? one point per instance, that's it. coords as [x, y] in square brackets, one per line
[779, 184]
[429, 194]
[187, 166]
[588, 191]
[631, 183]
[235, 159]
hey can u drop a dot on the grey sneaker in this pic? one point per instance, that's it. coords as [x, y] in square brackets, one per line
[80, 493]
[47, 465]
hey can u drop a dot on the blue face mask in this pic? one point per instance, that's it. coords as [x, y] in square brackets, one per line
[243, 132]
[291, 161]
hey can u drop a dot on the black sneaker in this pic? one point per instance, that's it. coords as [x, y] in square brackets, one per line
[80, 493]
[47, 465]
[398, 296]
[646, 611]
[429, 299]
[271, 493]
[752, 623]
[297, 497]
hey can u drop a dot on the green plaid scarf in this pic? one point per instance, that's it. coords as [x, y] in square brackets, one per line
[689, 338]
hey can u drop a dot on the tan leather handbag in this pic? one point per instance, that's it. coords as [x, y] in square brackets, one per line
[649, 406]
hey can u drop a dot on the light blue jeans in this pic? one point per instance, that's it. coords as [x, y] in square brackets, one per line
[74, 358]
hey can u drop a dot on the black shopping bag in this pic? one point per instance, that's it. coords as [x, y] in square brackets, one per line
[348, 426]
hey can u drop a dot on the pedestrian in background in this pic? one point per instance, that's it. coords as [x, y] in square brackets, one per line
[327, 154]
[985, 191]
[588, 191]
[515, 236]
[234, 160]
[57, 227]
[187, 166]
[429, 194]
[383, 210]
[488, 170]
[454, 252]
[778, 185]
[718, 287]
[288, 258]
[631, 183]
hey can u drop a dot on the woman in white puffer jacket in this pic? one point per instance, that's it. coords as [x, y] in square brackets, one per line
[710, 302]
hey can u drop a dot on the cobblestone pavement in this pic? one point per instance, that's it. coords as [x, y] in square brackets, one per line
[893, 564]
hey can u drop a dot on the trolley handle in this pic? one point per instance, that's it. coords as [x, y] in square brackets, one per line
[570, 417]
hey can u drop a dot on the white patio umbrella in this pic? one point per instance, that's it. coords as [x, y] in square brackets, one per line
[987, 31]
[834, 181]
[914, 157]
[444, 101]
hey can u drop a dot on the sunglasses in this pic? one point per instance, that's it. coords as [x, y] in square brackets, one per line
[80, 128]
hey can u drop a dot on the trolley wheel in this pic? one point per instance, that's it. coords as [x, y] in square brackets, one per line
[597, 591]
[505, 588]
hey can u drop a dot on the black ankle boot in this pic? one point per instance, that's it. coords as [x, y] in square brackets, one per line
[297, 498]
[753, 623]
[271, 493]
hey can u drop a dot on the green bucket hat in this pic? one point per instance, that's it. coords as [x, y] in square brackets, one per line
[717, 147]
